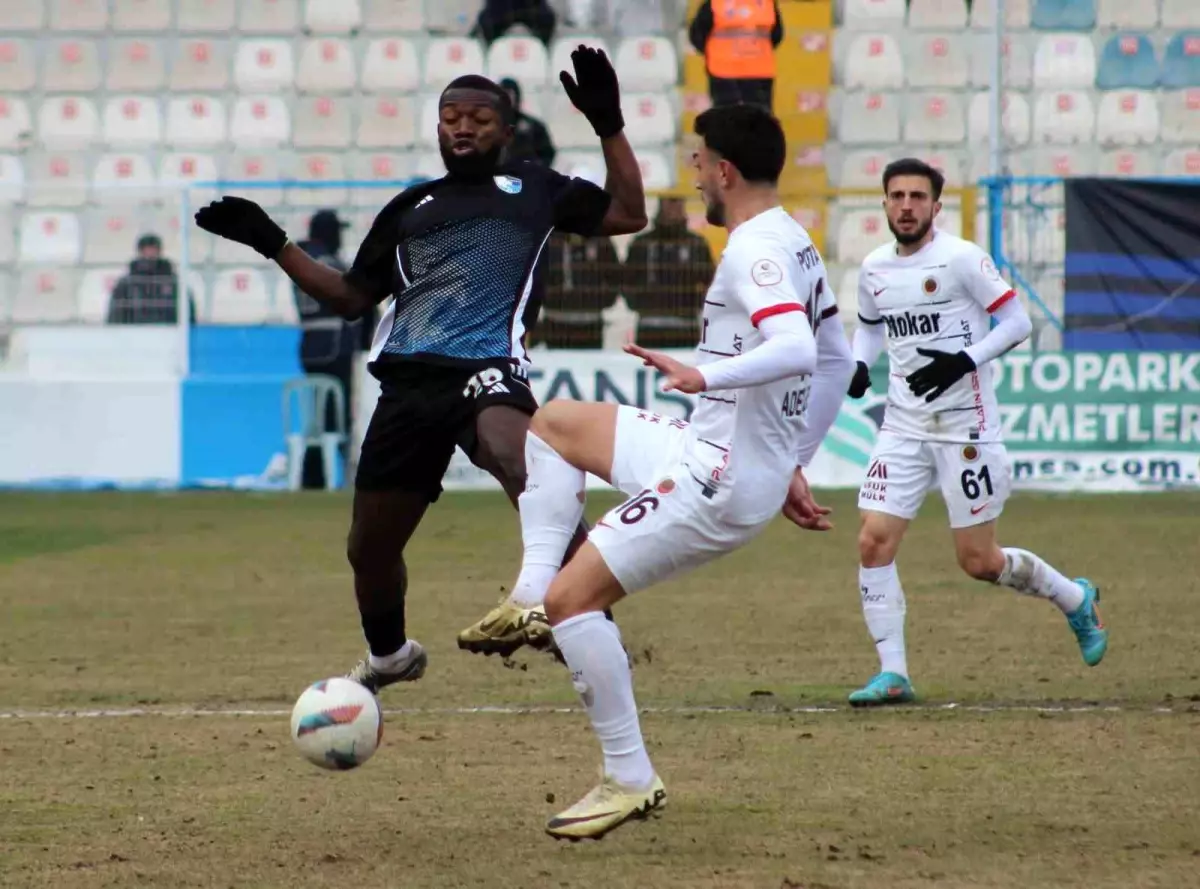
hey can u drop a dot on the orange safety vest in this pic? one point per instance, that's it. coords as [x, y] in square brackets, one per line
[740, 44]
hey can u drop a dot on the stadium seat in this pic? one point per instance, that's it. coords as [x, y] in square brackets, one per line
[195, 120]
[268, 16]
[561, 49]
[1127, 117]
[858, 233]
[179, 170]
[16, 17]
[1123, 14]
[110, 234]
[1063, 117]
[428, 165]
[151, 16]
[1016, 62]
[937, 15]
[934, 119]
[872, 14]
[647, 63]
[1181, 62]
[12, 179]
[215, 16]
[123, 179]
[18, 72]
[873, 61]
[68, 122]
[1128, 162]
[1017, 14]
[49, 236]
[1064, 15]
[95, 290]
[16, 127]
[132, 120]
[1180, 111]
[165, 224]
[649, 119]
[321, 168]
[78, 15]
[847, 294]
[258, 167]
[385, 121]
[393, 15]
[1127, 62]
[1182, 162]
[1064, 61]
[1180, 14]
[391, 65]
[937, 61]
[260, 120]
[951, 163]
[570, 128]
[862, 169]
[8, 252]
[200, 65]
[427, 122]
[1015, 119]
[582, 164]
[1063, 163]
[135, 66]
[657, 171]
[322, 122]
[71, 66]
[449, 57]
[869, 118]
[332, 16]
[56, 179]
[1048, 239]
[325, 66]
[523, 59]
[263, 66]
[239, 296]
[381, 167]
[451, 16]
[45, 295]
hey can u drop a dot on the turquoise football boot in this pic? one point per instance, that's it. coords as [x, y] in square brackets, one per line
[1089, 630]
[886, 688]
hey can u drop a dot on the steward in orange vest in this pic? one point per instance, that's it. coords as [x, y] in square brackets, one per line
[738, 40]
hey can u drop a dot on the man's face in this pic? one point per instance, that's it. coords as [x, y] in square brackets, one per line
[712, 178]
[149, 251]
[910, 207]
[672, 211]
[471, 133]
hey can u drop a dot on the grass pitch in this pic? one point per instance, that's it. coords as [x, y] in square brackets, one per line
[220, 602]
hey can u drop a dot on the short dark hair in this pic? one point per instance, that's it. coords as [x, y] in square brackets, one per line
[478, 82]
[911, 166]
[747, 136]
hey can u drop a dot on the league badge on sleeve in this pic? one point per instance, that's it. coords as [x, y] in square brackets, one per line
[508, 184]
[766, 273]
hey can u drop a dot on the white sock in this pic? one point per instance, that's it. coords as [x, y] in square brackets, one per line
[1027, 573]
[883, 608]
[591, 646]
[551, 507]
[389, 662]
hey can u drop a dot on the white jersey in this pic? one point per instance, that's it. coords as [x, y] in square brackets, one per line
[743, 442]
[939, 299]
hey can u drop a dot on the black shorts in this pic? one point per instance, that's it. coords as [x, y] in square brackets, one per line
[424, 412]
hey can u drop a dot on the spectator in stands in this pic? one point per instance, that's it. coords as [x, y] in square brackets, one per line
[497, 16]
[667, 273]
[738, 40]
[625, 18]
[583, 276]
[149, 293]
[329, 344]
[531, 139]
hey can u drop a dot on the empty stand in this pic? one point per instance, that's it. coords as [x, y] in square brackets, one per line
[1182, 162]
[49, 237]
[1127, 61]
[1016, 62]
[132, 120]
[268, 16]
[78, 15]
[1064, 61]
[570, 128]
[184, 169]
[524, 59]
[260, 120]
[393, 15]
[873, 61]
[1063, 117]
[45, 294]
[937, 15]
[391, 65]
[12, 179]
[1018, 14]
[149, 16]
[17, 17]
[263, 66]
[57, 179]
[322, 122]
[95, 290]
[649, 118]
[196, 121]
[385, 121]
[200, 65]
[934, 119]
[318, 168]
[871, 14]
[449, 57]
[16, 127]
[1072, 15]
[1180, 14]
[215, 16]
[646, 63]
[451, 16]
[239, 296]
[255, 167]
[1181, 61]
[18, 70]
[68, 122]
[1180, 111]
[123, 178]
[1113, 14]
[858, 233]
[326, 66]
[869, 118]
[1128, 162]
[135, 66]
[937, 60]
[8, 252]
[332, 16]
[1127, 117]
[110, 234]
[71, 66]
[380, 167]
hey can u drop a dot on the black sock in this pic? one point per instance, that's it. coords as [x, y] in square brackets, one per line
[385, 630]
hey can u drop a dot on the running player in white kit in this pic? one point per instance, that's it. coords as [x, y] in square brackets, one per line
[933, 298]
[772, 370]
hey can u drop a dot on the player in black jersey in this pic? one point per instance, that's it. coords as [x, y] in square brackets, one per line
[460, 259]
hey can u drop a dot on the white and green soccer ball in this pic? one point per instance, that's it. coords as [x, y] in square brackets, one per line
[337, 724]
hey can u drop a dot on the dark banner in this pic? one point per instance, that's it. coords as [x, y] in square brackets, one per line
[1133, 265]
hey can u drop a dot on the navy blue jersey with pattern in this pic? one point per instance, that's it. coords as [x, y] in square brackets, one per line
[462, 258]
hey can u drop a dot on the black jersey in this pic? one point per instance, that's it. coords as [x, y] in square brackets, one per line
[462, 257]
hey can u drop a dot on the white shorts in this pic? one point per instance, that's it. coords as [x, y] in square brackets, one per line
[975, 478]
[668, 525]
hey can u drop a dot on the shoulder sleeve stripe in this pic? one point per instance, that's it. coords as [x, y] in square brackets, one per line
[779, 309]
[1001, 301]
[869, 320]
[829, 313]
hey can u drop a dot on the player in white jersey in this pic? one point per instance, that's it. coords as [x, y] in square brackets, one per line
[770, 377]
[933, 298]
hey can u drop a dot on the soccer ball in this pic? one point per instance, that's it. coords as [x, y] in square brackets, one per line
[337, 724]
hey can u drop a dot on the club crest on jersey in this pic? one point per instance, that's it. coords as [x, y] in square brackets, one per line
[930, 285]
[508, 184]
[970, 453]
[766, 273]
[666, 486]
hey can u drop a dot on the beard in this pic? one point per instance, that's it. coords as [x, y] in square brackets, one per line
[714, 213]
[912, 237]
[476, 165]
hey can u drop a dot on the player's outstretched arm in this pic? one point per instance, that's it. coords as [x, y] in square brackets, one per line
[623, 181]
[324, 284]
[835, 367]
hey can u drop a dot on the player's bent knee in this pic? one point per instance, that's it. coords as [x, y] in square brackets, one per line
[981, 564]
[876, 549]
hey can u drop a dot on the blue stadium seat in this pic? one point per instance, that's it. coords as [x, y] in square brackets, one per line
[1127, 62]
[1181, 63]
[1065, 15]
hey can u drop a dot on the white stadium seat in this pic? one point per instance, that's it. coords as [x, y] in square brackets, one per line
[582, 164]
[239, 296]
[1126, 15]
[263, 66]
[873, 61]
[68, 122]
[937, 15]
[135, 66]
[200, 65]
[48, 236]
[449, 57]
[451, 16]
[869, 118]
[268, 16]
[1064, 61]
[847, 294]
[1182, 162]
[151, 16]
[427, 123]
[18, 72]
[561, 49]
[132, 120]
[1064, 163]
[394, 15]
[521, 58]
[1014, 118]
[1016, 65]
[45, 295]
[332, 16]
[177, 170]
[646, 63]
[78, 15]
[858, 233]
[195, 120]
[863, 169]
[12, 179]
[1130, 162]
[215, 16]
[381, 167]
[325, 66]
[391, 65]
[1018, 14]
[16, 17]
[110, 234]
[123, 178]
[1180, 111]
[71, 66]
[8, 252]
[322, 122]
[1127, 117]
[934, 119]
[57, 179]
[657, 171]
[951, 162]
[317, 168]
[1063, 117]
[570, 128]
[428, 165]
[15, 124]
[869, 14]
[649, 118]
[385, 121]
[937, 60]
[95, 291]
[165, 224]
[260, 120]
[258, 167]
[1180, 14]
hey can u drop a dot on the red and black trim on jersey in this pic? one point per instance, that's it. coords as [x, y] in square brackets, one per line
[1001, 301]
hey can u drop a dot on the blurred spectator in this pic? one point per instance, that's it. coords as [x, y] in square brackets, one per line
[329, 344]
[497, 16]
[531, 141]
[667, 273]
[738, 40]
[149, 293]
[625, 18]
[582, 277]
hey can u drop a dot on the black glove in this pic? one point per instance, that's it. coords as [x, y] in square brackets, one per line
[861, 381]
[594, 90]
[943, 371]
[238, 219]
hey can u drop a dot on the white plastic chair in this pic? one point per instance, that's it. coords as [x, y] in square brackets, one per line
[305, 403]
